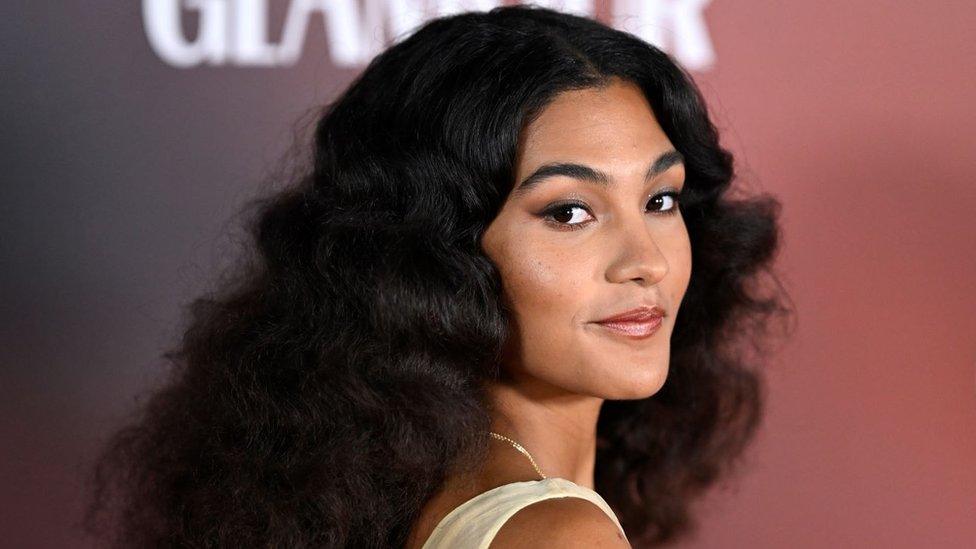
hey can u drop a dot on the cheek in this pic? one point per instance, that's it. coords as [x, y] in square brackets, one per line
[542, 286]
[545, 292]
[679, 261]
[546, 289]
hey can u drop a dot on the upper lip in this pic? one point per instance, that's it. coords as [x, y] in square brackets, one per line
[644, 312]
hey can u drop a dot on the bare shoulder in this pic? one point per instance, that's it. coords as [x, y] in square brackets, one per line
[559, 522]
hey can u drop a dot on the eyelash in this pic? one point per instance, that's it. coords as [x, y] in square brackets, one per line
[555, 208]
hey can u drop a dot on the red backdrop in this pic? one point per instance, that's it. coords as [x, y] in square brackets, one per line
[122, 173]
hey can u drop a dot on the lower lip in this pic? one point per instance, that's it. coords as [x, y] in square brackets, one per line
[633, 329]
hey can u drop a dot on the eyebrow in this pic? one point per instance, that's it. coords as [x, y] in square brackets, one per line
[585, 173]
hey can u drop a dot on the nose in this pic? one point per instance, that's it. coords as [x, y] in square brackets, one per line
[636, 254]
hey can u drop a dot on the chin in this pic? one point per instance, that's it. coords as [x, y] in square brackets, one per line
[642, 384]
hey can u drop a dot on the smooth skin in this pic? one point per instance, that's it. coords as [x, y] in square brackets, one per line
[614, 249]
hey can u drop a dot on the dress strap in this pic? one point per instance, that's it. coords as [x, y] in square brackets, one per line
[475, 522]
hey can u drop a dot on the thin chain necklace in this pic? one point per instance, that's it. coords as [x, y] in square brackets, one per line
[520, 449]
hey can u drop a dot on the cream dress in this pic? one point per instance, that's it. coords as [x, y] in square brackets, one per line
[474, 523]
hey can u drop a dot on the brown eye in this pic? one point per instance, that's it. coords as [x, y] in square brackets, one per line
[666, 202]
[569, 214]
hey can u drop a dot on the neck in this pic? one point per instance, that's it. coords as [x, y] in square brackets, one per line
[557, 428]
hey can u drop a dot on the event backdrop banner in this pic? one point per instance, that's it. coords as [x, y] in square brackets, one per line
[135, 131]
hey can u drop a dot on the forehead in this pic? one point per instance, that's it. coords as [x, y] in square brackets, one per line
[595, 124]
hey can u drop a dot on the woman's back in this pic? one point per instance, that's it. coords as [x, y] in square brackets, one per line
[475, 523]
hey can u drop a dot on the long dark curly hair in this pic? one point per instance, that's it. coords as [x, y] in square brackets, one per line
[332, 380]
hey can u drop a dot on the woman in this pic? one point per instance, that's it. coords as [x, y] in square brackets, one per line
[427, 349]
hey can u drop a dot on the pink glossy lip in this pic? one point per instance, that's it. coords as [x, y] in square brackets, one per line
[634, 329]
[640, 314]
[635, 323]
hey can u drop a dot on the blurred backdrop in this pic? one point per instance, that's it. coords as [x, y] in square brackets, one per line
[134, 131]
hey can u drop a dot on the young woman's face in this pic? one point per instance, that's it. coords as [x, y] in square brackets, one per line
[572, 251]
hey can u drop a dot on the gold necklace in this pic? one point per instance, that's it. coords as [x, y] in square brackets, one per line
[520, 449]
